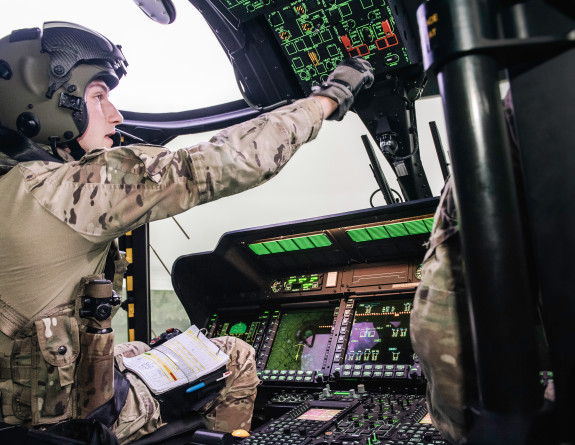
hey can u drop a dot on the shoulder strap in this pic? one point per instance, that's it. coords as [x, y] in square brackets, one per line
[11, 321]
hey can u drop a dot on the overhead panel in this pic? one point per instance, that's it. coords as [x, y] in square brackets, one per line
[316, 35]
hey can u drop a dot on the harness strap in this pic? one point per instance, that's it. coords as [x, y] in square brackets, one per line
[11, 321]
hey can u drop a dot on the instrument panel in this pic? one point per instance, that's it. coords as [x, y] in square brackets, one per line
[326, 304]
[312, 342]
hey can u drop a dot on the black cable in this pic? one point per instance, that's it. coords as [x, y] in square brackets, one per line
[399, 197]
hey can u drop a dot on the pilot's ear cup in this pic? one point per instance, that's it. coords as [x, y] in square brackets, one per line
[28, 124]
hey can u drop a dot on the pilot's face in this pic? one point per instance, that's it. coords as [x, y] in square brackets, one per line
[103, 117]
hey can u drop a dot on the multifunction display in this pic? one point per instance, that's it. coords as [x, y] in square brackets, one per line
[380, 333]
[299, 283]
[361, 338]
[301, 340]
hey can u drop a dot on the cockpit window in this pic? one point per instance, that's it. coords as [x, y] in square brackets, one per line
[172, 68]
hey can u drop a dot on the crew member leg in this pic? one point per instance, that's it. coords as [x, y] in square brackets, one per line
[141, 413]
[234, 406]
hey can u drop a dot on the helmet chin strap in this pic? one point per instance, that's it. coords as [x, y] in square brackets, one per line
[76, 150]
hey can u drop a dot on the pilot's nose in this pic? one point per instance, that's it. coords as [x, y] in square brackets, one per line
[115, 117]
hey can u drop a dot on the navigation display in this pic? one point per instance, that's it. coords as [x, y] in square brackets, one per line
[380, 333]
[301, 340]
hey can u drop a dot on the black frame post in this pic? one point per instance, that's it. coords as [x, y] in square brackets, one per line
[501, 302]
[138, 285]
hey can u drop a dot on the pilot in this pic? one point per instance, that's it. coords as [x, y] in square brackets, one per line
[66, 195]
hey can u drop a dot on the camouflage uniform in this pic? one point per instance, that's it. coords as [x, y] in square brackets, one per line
[58, 220]
[436, 334]
[440, 338]
[231, 410]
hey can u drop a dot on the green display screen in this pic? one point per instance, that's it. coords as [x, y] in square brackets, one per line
[301, 340]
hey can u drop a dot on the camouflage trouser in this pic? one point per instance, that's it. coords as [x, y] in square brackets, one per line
[232, 409]
[436, 333]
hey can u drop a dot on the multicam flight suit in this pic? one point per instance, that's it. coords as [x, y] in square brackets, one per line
[436, 334]
[56, 225]
[442, 339]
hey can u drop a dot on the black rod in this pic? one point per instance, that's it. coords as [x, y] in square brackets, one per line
[142, 321]
[439, 149]
[492, 239]
[376, 170]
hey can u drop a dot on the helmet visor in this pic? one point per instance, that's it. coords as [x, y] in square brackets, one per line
[69, 44]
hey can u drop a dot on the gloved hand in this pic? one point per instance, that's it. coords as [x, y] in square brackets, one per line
[343, 84]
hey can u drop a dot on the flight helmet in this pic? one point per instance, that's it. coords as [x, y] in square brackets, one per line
[44, 75]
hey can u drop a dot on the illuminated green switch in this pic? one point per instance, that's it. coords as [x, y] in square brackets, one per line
[303, 243]
[429, 223]
[288, 245]
[396, 230]
[377, 232]
[416, 227]
[359, 235]
[320, 240]
[259, 249]
[274, 247]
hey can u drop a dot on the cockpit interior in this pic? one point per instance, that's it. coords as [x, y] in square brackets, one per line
[318, 273]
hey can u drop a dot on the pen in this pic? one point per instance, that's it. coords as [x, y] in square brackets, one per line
[202, 384]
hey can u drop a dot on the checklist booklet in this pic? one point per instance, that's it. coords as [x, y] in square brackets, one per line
[188, 358]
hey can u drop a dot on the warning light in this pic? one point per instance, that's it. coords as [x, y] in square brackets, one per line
[390, 38]
[314, 58]
[386, 28]
[285, 35]
[361, 50]
[307, 27]
[300, 9]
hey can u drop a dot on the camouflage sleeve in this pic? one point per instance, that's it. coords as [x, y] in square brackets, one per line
[109, 192]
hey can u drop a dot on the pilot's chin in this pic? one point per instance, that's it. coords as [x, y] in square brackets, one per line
[108, 142]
